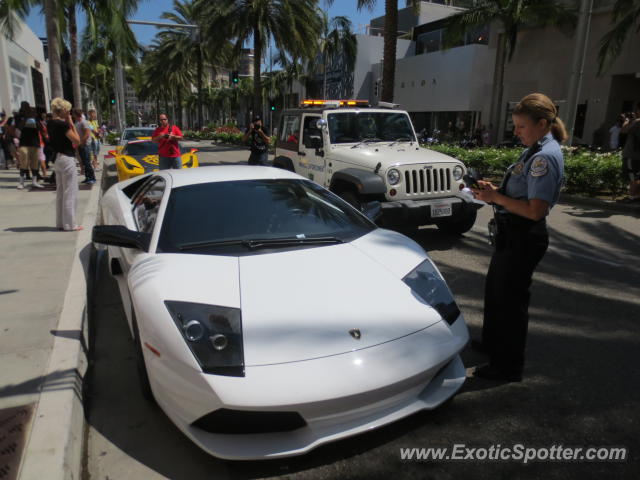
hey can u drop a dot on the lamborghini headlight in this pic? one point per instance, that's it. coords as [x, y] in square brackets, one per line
[428, 284]
[213, 334]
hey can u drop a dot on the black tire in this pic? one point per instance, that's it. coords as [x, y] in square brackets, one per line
[143, 377]
[459, 224]
[351, 198]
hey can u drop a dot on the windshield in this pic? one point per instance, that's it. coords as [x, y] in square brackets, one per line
[215, 216]
[350, 127]
[130, 134]
[140, 149]
[143, 149]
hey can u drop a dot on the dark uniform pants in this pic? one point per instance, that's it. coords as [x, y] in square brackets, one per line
[520, 245]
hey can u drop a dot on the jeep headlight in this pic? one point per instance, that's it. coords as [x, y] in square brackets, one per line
[458, 172]
[428, 284]
[213, 334]
[393, 176]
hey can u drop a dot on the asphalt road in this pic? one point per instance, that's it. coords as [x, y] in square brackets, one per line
[580, 387]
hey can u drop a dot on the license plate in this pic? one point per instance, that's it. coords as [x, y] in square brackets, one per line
[441, 210]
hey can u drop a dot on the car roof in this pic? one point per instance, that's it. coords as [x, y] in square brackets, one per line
[226, 173]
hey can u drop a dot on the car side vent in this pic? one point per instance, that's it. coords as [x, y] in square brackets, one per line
[228, 421]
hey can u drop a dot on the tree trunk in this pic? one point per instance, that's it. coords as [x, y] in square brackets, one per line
[178, 120]
[75, 61]
[389, 55]
[324, 76]
[498, 90]
[257, 59]
[53, 48]
[200, 73]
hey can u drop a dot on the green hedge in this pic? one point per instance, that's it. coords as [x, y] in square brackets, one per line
[112, 138]
[586, 172]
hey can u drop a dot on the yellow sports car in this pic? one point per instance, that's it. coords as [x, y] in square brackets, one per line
[138, 157]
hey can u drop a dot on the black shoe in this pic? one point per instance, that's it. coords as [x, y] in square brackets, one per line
[478, 346]
[490, 372]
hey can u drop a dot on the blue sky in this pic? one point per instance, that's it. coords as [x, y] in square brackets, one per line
[150, 10]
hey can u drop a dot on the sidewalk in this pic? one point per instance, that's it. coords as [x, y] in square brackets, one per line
[38, 266]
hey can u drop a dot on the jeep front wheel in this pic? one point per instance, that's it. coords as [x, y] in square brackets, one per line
[351, 198]
[459, 224]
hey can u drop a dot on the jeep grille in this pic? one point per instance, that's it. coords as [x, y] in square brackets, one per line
[431, 180]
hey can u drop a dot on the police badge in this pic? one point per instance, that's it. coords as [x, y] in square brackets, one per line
[517, 170]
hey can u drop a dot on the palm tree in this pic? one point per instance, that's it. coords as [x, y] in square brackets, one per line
[626, 17]
[390, 41]
[293, 24]
[511, 15]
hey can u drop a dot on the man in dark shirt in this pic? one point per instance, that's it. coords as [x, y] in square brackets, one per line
[29, 151]
[259, 143]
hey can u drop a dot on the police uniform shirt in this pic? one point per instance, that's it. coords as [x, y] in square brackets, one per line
[540, 176]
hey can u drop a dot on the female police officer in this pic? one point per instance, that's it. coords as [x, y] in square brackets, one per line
[529, 189]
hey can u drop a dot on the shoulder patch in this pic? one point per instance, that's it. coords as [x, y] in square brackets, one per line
[539, 167]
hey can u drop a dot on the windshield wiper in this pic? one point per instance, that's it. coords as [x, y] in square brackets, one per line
[367, 140]
[263, 242]
[400, 139]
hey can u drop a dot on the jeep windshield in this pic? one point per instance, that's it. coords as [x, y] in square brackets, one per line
[355, 127]
[244, 217]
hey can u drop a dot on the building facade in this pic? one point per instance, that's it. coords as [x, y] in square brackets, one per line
[455, 88]
[24, 72]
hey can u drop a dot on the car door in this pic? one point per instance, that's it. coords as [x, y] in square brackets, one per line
[312, 159]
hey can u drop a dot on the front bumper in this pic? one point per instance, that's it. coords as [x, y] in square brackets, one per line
[419, 212]
[338, 396]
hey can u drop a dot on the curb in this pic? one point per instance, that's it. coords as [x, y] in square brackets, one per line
[55, 445]
[608, 205]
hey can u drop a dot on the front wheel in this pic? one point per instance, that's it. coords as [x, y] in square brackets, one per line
[143, 377]
[351, 198]
[460, 224]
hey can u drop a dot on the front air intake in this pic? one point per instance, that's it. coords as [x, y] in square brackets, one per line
[227, 421]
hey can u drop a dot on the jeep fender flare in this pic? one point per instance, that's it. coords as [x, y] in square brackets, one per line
[363, 181]
[284, 162]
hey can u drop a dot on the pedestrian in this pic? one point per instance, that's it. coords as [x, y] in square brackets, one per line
[259, 140]
[94, 146]
[614, 133]
[84, 132]
[167, 137]
[631, 155]
[530, 188]
[30, 144]
[62, 136]
[4, 152]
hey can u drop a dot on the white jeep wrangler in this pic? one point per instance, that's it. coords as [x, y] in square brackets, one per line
[371, 154]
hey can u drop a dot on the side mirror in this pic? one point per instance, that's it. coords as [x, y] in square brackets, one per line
[320, 123]
[372, 210]
[120, 236]
[111, 153]
[314, 141]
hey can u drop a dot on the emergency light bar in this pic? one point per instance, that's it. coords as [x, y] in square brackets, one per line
[335, 103]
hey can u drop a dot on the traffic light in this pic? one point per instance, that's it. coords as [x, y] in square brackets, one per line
[273, 107]
[234, 77]
[113, 101]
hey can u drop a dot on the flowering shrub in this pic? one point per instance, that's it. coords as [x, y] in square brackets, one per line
[585, 171]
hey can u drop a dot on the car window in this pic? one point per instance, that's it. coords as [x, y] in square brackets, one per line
[290, 131]
[256, 209]
[147, 203]
[140, 149]
[131, 134]
[310, 130]
[349, 127]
